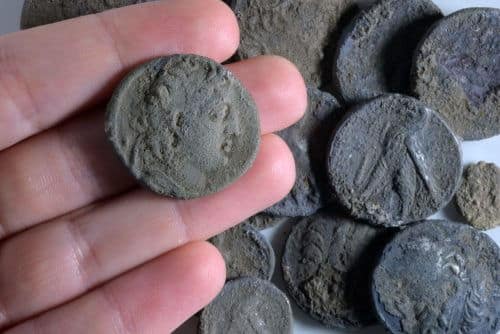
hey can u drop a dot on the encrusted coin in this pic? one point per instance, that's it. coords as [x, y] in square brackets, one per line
[248, 305]
[262, 220]
[478, 197]
[375, 51]
[327, 266]
[184, 126]
[457, 71]
[308, 140]
[301, 31]
[246, 252]
[40, 12]
[393, 161]
[439, 277]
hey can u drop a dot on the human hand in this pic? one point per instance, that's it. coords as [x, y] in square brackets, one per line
[82, 249]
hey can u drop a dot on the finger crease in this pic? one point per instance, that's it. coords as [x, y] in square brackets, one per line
[109, 33]
[13, 86]
[120, 325]
[178, 215]
[84, 254]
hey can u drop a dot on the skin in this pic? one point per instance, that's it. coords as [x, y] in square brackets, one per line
[123, 257]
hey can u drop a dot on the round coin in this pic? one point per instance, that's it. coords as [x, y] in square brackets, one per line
[308, 140]
[247, 305]
[439, 277]
[246, 252]
[184, 126]
[301, 31]
[393, 161]
[39, 12]
[375, 51]
[478, 197]
[327, 265]
[457, 71]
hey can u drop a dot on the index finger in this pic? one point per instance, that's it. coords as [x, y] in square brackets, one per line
[51, 72]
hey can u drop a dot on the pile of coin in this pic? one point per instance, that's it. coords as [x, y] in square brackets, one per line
[381, 157]
[393, 90]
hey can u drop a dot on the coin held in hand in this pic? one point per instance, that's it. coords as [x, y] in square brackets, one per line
[184, 126]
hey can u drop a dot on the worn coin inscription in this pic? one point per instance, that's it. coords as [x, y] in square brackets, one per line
[301, 31]
[308, 140]
[478, 197]
[246, 252]
[40, 12]
[327, 265]
[457, 71]
[184, 126]
[393, 161]
[248, 306]
[375, 51]
[439, 277]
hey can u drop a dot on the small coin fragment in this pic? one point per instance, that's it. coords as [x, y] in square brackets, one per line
[184, 126]
[327, 266]
[248, 305]
[301, 31]
[246, 252]
[478, 197]
[308, 140]
[39, 12]
[393, 161]
[375, 51]
[439, 277]
[262, 221]
[457, 71]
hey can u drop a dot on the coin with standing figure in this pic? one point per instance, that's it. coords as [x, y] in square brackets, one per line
[393, 161]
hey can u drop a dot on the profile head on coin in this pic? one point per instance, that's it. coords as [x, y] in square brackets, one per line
[439, 277]
[393, 161]
[184, 125]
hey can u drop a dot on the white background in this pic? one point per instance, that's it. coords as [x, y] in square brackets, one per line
[486, 150]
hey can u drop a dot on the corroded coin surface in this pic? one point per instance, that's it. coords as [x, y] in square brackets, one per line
[393, 161]
[327, 265]
[262, 221]
[184, 126]
[457, 71]
[375, 51]
[246, 252]
[301, 31]
[247, 305]
[478, 197]
[308, 140]
[439, 277]
[40, 12]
